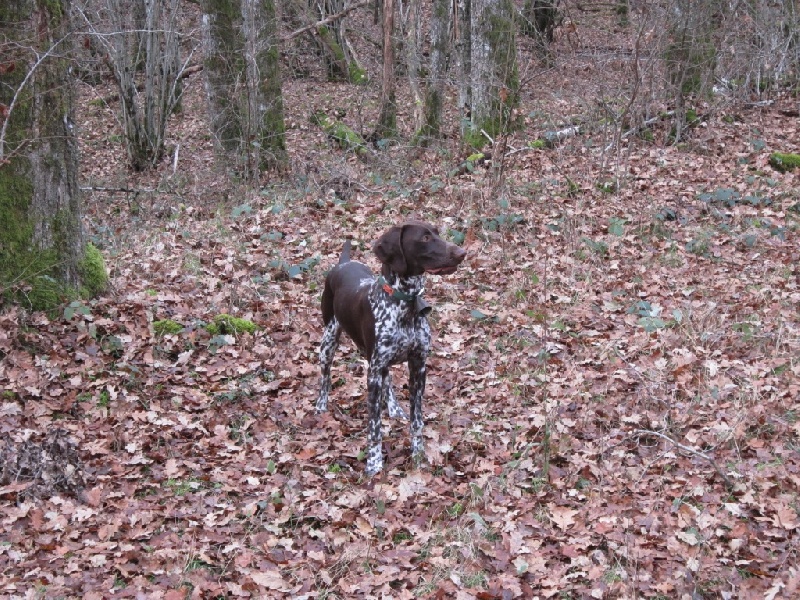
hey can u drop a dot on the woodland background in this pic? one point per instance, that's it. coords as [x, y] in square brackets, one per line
[613, 404]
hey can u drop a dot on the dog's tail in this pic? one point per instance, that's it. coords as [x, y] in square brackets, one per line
[345, 257]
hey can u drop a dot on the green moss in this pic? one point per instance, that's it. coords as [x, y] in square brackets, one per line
[167, 327]
[537, 144]
[784, 162]
[92, 269]
[357, 74]
[227, 325]
[25, 273]
[341, 133]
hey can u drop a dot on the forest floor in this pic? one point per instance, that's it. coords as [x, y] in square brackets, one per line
[613, 400]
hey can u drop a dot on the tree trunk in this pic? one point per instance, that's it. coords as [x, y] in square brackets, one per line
[43, 259]
[224, 73]
[493, 77]
[387, 122]
[269, 128]
[412, 48]
[243, 82]
[540, 18]
[149, 100]
[441, 18]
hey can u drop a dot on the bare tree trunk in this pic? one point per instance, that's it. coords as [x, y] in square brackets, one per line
[387, 122]
[539, 19]
[244, 84]
[410, 15]
[441, 19]
[463, 44]
[42, 252]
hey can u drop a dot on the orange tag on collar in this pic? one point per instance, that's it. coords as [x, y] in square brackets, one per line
[388, 289]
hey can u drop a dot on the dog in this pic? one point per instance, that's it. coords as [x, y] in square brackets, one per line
[386, 317]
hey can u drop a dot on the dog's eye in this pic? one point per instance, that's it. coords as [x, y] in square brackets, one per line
[426, 238]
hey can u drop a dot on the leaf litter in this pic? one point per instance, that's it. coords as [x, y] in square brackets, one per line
[612, 407]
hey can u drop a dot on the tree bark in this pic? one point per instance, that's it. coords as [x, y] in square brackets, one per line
[42, 252]
[540, 18]
[387, 122]
[412, 48]
[243, 82]
[224, 73]
[441, 18]
[269, 127]
[493, 77]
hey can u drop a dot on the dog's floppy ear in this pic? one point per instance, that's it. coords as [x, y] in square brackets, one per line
[389, 249]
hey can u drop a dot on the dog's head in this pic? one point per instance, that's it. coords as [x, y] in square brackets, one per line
[414, 248]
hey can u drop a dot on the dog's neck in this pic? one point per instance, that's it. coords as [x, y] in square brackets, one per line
[406, 286]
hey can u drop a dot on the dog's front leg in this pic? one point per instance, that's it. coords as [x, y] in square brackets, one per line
[416, 386]
[376, 379]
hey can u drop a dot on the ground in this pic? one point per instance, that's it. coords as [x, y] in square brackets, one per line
[612, 405]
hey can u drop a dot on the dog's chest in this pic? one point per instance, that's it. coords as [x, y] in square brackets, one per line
[399, 330]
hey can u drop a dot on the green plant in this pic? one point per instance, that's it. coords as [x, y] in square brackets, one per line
[104, 400]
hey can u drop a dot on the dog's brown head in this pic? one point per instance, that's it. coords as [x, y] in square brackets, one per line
[414, 248]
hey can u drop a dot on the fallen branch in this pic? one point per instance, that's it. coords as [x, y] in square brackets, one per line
[92, 188]
[642, 126]
[326, 20]
[551, 138]
[689, 450]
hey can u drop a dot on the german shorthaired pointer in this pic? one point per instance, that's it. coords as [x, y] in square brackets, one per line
[386, 318]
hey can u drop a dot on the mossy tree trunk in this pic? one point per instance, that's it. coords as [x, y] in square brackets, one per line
[224, 73]
[493, 78]
[42, 251]
[338, 55]
[441, 19]
[387, 121]
[243, 83]
[268, 127]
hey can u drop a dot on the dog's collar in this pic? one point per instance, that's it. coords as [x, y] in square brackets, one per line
[397, 293]
[421, 307]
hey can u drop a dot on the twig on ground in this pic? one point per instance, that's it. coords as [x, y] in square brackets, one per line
[688, 450]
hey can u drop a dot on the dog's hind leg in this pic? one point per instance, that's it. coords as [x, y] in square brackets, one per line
[327, 348]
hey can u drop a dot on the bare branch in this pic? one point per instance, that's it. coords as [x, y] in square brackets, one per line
[326, 20]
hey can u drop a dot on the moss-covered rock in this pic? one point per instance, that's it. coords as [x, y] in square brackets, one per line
[167, 327]
[784, 162]
[227, 325]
